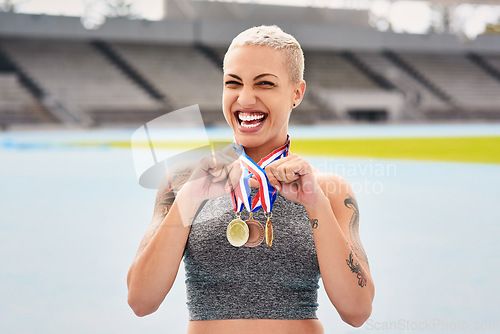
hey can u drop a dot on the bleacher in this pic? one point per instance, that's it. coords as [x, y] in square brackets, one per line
[470, 87]
[493, 60]
[84, 80]
[16, 103]
[325, 69]
[78, 76]
[415, 92]
[181, 73]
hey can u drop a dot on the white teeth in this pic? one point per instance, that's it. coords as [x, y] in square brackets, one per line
[250, 117]
[250, 125]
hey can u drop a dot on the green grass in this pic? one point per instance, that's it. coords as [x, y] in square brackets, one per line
[463, 149]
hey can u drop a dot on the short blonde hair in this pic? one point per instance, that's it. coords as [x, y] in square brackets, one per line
[277, 39]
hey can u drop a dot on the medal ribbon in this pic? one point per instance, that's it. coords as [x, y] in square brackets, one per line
[266, 195]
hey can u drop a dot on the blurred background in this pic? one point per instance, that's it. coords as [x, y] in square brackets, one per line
[403, 100]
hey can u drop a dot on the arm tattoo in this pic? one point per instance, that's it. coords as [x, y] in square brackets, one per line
[314, 223]
[351, 203]
[165, 199]
[356, 268]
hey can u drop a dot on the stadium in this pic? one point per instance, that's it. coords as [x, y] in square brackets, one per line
[402, 99]
[129, 71]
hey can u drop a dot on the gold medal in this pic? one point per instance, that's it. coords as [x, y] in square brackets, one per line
[256, 232]
[269, 230]
[237, 232]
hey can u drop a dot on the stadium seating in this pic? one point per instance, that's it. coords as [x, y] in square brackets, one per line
[16, 104]
[84, 80]
[328, 70]
[180, 72]
[469, 86]
[78, 76]
[416, 93]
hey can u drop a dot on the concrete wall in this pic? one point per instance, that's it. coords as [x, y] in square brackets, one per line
[220, 32]
[344, 101]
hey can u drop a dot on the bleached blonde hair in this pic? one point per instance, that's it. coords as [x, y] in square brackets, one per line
[277, 39]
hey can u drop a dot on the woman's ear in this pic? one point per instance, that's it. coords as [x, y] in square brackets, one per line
[298, 94]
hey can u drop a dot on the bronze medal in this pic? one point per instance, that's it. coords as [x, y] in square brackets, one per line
[256, 232]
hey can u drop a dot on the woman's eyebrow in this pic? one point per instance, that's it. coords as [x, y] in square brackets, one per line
[263, 75]
[256, 78]
[235, 76]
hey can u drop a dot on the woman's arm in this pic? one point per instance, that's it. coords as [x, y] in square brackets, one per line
[342, 259]
[157, 261]
[179, 198]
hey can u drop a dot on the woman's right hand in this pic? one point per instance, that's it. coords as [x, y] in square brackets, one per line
[215, 175]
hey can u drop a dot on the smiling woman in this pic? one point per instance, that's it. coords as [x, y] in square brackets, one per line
[235, 282]
[258, 79]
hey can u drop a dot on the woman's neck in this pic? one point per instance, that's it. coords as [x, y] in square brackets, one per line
[259, 152]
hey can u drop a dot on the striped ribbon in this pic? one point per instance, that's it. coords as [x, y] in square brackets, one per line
[266, 195]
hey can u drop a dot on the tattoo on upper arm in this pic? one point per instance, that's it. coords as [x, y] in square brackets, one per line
[350, 202]
[357, 269]
[314, 223]
[164, 201]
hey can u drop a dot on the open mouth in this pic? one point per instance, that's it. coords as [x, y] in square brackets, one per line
[250, 119]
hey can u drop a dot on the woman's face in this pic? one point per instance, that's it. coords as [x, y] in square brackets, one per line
[258, 95]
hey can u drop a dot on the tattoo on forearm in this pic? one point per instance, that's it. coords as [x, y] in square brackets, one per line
[314, 223]
[356, 268]
[351, 203]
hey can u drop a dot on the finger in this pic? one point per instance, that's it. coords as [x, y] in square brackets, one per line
[253, 182]
[285, 170]
[271, 173]
[220, 163]
[220, 175]
[290, 172]
[234, 176]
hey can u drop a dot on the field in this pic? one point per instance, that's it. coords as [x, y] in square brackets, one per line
[460, 149]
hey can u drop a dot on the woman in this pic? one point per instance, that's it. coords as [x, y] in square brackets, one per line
[268, 286]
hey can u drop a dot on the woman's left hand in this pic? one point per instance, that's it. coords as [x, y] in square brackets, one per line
[293, 177]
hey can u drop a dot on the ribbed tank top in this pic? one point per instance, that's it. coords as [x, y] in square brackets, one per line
[227, 282]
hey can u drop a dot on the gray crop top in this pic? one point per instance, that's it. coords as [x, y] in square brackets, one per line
[227, 282]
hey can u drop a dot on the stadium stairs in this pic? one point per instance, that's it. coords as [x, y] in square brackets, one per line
[455, 110]
[209, 53]
[484, 65]
[408, 68]
[367, 71]
[128, 69]
[38, 113]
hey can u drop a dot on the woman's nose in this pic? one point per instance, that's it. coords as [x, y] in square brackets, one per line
[247, 98]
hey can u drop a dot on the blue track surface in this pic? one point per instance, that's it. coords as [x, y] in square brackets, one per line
[71, 220]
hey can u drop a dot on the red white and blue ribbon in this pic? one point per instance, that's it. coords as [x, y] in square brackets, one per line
[266, 195]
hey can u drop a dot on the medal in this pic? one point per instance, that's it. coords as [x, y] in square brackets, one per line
[265, 198]
[269, 230]
[256, 232]
[237, 232]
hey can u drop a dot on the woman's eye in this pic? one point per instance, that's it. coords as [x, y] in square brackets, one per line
[232, 84]
[266, 84]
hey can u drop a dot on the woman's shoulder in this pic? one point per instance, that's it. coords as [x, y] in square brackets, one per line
[333, 185]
